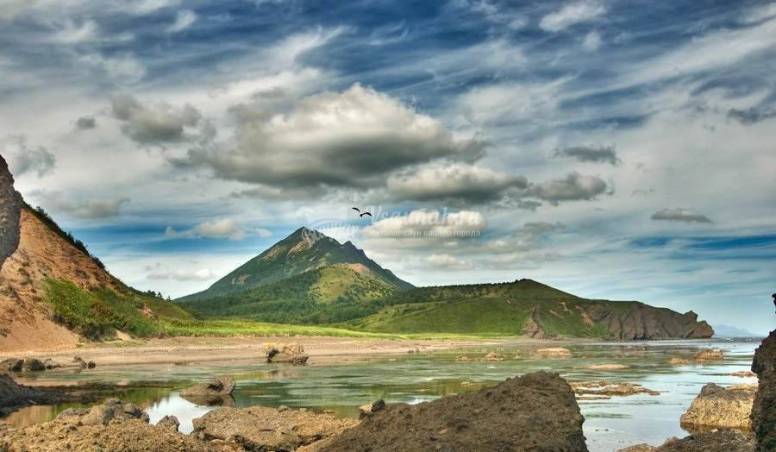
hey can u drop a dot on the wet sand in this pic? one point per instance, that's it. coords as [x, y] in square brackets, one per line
[322, 349]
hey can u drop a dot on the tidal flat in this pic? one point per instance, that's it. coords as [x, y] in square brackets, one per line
[339, 383]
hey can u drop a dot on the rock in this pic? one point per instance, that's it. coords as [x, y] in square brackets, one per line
[608, 367]
[91, 365]
[124, 432]
[678, 361]
[709, 355]
[764, 407]
[10, 213]
[170, 422]
[643, 447]
[743, 374]
[493, 356]
[717, 441]
[11, 365]
[214, 392]
[718, 407]
[113, 409]
[553, 352]
[371, 408]
[33, 365]
[265, 428]
[78, 361]
[533, 412]
[293, 354]
[49, 364]
[463, 359]
[607, 389]
[637, 321]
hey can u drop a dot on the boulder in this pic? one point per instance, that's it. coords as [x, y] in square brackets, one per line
[169, 422]
[292, 353]
[764, 407]
[717, 407]
[643, 447]
[11, 365]
[709, 355]
[537, 411]
[553, 352]
[110, 410]
[33, 365]
[214, 392]
[717, 441]
[371, 408]
[265, 428]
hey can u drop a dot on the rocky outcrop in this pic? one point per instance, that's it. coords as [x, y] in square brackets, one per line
[218, 391]
[709, 355]
[717, 407]
[531, 327]
[717, 441]
[114, 426]
[537, 411]
[291, 354]
[14, 396]
[764, 407]
[10, 213]
[641, 321]
[263, 428]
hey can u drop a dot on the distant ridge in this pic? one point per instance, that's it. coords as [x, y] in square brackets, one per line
[302, 251]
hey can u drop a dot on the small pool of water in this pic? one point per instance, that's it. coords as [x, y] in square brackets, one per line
[340, 388]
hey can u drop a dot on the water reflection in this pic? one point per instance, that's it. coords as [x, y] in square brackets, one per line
[609, 424]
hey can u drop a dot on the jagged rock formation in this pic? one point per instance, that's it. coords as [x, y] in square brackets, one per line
[10, 211]
[642, 321]
[537, 411]
[764, 408]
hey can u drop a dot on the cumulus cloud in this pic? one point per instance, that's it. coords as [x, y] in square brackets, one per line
[449, 262]
[453, 181]
[431, 224]
[183, 20]
[153, 124]
[681, 215]
[751, 115]
[602, 154]
[23, 159]
[592, 41]
[89, 209]
[350, 139]
[225, 228]
[574, 187]
[85, 123]
[160, 273]
[572, 14]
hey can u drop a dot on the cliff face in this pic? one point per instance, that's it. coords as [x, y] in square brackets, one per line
[10, 212]
[30, 253]
[637, 321]
[764, 408]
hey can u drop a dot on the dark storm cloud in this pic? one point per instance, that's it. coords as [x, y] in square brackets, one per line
[573, 187]
[751, 115]
[598, 154]
[153, 124]
[86, 123]
[680, 215]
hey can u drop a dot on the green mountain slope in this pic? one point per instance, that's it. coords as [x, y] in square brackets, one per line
[302, 251]
[527, 308]
[330, 294]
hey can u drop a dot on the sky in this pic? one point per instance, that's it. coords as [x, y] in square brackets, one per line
[613, 149]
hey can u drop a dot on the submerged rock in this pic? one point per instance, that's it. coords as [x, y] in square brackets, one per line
[263, 428]
[718, 407]
[764, 407]
[606, 389]
[676, 361]
[293, 354]
[218, 391]
[553, 352]
[537, 411]
[709, 355]
[493, 356]
[608, 367]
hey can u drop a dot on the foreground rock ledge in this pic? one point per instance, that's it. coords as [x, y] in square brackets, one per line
[719, 407]
[537, 412]
[764, 408]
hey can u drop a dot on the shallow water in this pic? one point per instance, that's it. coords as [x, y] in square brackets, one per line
[609, 424]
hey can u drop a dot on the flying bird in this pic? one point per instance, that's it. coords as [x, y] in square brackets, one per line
[360, 213]
[365, 213]
[356, 209]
